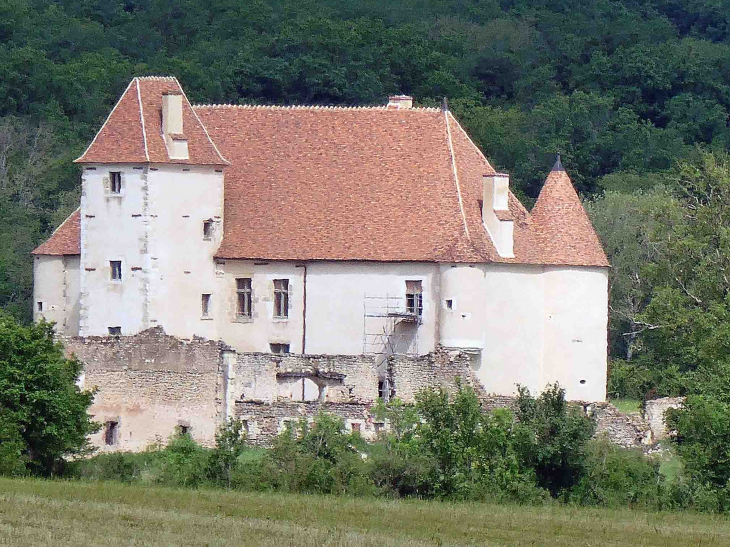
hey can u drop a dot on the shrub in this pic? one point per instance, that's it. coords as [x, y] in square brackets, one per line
[230, 443]
[616, 476]
[550, 438]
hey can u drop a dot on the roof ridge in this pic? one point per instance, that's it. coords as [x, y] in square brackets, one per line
[134, 81]
[455, 172]
[313, 107]
[205, 129]
[158, 78]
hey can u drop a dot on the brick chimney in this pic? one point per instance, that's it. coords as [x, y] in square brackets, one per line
[398, 102]
[172, 126]
[496, 214]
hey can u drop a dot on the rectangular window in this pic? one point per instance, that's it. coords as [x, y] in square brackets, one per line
[111, 433]
[243, 292]
[207, 230]
[115, 182]
[355, 426]
[205, 304]
[281, 298]
[115, 331]
[279, 348]
[115, 270]
[40, 306]
[414, 298]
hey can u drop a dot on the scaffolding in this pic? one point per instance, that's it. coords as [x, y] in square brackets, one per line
[390, 325]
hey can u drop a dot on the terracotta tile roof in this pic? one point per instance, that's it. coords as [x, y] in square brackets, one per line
[331, 183]
[312, 183]
[564, 231]
[133, 133]
[65, 240]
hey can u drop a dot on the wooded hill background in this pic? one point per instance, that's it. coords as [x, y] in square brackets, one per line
[625, 90]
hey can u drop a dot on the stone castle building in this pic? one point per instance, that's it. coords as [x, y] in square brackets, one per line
[262, 262]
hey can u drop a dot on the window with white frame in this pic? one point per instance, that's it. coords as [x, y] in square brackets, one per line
[244, 298]
[414, 298]
[115, 270]
[281, 298]
[115, 182]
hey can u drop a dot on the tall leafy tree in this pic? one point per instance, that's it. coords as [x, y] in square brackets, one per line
[43, 413]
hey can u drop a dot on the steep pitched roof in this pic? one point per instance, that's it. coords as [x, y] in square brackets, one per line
[133, 132]
[564, 231]
[65, 240]
[381, 184]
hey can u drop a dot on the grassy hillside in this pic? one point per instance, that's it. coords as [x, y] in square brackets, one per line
[34, 512]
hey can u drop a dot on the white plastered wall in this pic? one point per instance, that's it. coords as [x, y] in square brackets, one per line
[109, 231]
[262, 329]
[335, 304]
[576, 318]
[155, 228]
[181, 262]
[56, 287]
[513, 328]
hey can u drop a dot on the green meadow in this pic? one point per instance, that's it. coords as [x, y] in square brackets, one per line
[60, 513]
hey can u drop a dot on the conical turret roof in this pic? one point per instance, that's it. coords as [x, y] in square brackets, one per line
[564, 231]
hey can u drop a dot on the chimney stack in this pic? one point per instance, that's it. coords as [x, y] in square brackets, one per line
[172, 126]
[496, 214]
[398, 102]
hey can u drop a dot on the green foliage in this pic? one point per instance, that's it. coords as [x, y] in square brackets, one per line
[230, 443]
[616, 477]
[42, 411]
[551, 437]
[622, 90]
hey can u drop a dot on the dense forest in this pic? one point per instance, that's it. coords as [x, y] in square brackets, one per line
[634, 95]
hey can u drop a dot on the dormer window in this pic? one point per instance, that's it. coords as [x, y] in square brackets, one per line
[115, 182]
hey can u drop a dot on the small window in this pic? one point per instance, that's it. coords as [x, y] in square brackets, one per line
[183, 430]
[205, 304]
[355, 426]
[39, 306]
[115, 182]
[207, 230]
[281, 298]
[449, 304]
[243, 290]
[279, 348]
[115, 270]
[414, 298]
[115, 331]
[111, 433]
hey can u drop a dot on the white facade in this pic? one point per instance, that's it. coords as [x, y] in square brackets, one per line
[154, 228]
[56, 298]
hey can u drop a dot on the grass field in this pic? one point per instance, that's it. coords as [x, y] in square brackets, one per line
[38, 513]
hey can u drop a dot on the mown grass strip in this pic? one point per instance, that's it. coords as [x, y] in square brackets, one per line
[35, 512]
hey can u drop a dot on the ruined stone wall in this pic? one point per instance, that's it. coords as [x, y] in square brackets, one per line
[150, 385]
[653, 413]
[625, 430]
[267, 377]
[408, 374]
[263, 422]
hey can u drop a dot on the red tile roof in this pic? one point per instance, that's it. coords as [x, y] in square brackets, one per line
[565, 233]
[133, 132]
[317, 183]
[66, 240]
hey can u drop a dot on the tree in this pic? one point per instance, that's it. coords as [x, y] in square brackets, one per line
[687, 323]
[42, 410]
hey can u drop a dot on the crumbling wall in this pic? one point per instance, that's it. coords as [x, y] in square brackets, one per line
[267, 377]
[263, 422]
[150, 385]
[627, 430]
[653, 413]
[408, 374]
